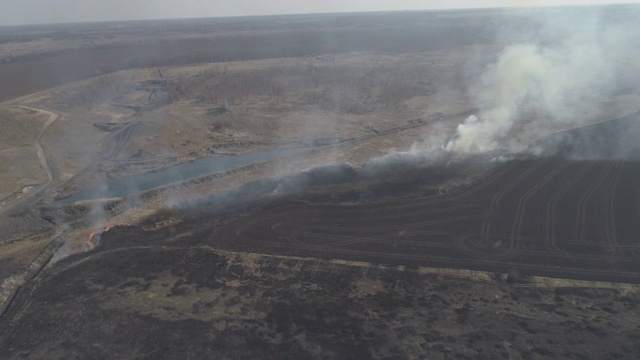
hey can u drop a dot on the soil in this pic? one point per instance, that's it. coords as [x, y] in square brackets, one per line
[317, 273]
[177, 299]
[356, 249]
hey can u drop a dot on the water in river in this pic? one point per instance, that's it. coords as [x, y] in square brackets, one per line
[141, 182]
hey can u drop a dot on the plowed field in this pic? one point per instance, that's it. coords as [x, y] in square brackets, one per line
[573, 214]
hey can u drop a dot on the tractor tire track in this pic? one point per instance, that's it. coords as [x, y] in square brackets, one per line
[522, 203]
[486, 227]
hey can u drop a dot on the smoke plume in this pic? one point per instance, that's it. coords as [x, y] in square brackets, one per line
[556, 76]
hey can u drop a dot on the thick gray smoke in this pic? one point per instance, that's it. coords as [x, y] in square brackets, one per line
[554, 77]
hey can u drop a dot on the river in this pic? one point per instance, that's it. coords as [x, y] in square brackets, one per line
[132, 184]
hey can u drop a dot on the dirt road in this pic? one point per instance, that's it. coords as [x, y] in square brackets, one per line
[19, 203]
[41, 153]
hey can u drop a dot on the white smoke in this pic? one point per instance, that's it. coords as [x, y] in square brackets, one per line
[558, 76]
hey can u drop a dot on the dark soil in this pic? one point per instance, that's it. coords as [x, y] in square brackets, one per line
[163, 302]
[248, 274]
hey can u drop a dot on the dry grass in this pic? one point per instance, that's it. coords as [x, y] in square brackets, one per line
[18, 159]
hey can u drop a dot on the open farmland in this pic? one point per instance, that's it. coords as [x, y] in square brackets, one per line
[33, 59]
[481, 265]
[446, 185]
[561, 215]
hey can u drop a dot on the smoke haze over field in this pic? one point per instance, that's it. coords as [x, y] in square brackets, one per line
[16, 12]
[556, 72]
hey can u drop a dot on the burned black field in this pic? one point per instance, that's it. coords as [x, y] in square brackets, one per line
[172, 302]
[338, 268]
[571, 214]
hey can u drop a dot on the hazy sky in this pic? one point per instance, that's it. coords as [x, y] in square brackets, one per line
[14, 12]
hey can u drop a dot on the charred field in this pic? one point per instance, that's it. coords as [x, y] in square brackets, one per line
[376, 262]
[437, 184]
[571, 214]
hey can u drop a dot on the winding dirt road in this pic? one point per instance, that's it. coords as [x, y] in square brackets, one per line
[41, 153]
[44, 162]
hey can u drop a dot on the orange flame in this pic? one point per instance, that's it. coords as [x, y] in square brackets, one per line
[92, 234]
